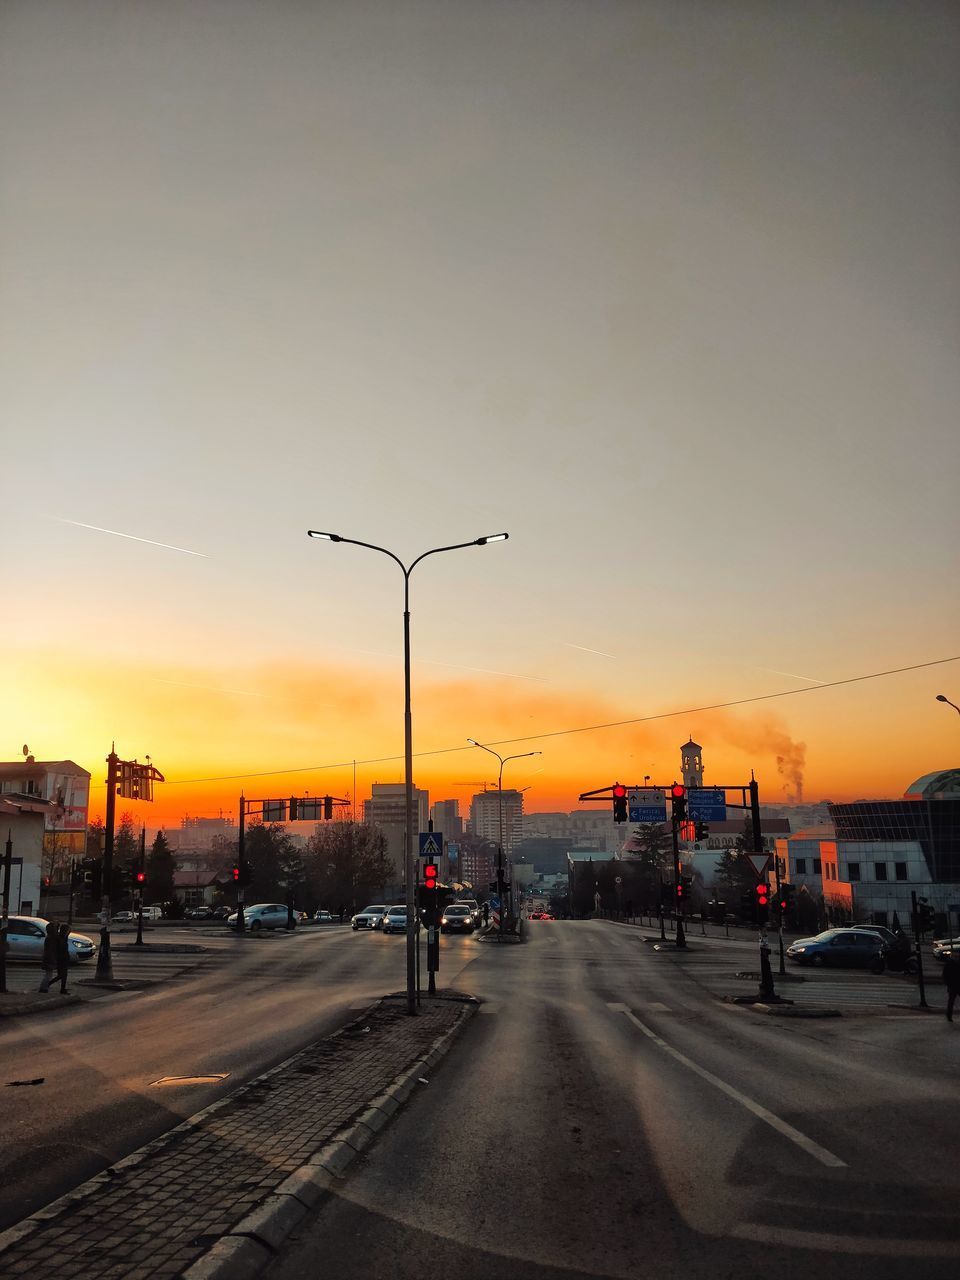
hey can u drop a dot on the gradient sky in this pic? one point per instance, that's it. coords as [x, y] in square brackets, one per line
[667, 290]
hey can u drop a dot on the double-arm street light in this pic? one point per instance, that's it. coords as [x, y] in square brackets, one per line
[942, 697]
[409, 859]
[503, 760]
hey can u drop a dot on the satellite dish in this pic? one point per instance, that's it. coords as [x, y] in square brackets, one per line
[26, 749]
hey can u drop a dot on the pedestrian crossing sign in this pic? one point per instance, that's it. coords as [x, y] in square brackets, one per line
[431, 844]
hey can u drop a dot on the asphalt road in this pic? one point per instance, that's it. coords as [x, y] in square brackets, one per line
[241, 1008]
[605, 1115]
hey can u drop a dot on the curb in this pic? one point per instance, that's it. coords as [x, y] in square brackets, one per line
[31, 1006]
[258, 1237]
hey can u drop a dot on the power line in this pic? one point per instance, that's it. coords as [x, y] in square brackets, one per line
[589, 728]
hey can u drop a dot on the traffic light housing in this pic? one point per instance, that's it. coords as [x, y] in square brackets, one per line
[430, 876]
[294, 808]
[684, 885]
[327, 808]
[141, 877]
[924, 920]
[678, 796]
[701, 830]
[619, 802]
[236, 875]
[763, 901]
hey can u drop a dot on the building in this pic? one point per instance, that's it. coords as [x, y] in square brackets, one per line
[491, 808]
[202, 835]
[65, 786]
[387, 810]
[478, 865]
[446, 818]
[24, 819]
[885, 851]
[691, 764]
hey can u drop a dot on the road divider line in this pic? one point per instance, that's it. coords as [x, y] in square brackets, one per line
[793, 1238]
[787, 1130]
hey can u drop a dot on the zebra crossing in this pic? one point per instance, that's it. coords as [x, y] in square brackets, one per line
[853, 991]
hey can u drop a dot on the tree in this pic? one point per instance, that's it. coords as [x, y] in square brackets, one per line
[735, 874]
[266, 851]
[161, 866]
[126, 851]
[651, 847]
[346, 865]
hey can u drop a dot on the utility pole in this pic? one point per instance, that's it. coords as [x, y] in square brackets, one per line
[141, 867]
[105, 957]
[241, 864]
[4, 921]
[776, 865]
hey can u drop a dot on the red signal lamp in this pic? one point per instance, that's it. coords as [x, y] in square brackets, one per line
[430, 876]
[141, 877]
[763, 895]
[678, 791]
[619, 791]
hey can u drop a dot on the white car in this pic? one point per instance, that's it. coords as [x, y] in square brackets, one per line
[395, 920]
[25, 936]
[369, 917]
[324, 917]
[263, 915]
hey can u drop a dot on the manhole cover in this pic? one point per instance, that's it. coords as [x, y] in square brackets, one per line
[177, 1080]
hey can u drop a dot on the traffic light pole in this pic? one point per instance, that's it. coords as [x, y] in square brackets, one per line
[141, 868]
[241, 864]
[680, 939]
[4, 921]
[776, 866]
[917, 937]
[105, 956]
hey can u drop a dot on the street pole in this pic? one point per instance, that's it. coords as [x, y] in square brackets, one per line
[501, 879]
[241, 864]
[140, 883]
[409, 863]
[776, 867]
[105, 957]
[5, 909]
[918, 940]
[73, 890]
[680, 939]
[767, 990]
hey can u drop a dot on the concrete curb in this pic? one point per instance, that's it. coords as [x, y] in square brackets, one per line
[36, 1006]
[258, 1237]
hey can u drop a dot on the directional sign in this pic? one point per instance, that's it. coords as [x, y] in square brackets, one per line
[431, 844]
[494, 902]
[647, 804]
[707, 804]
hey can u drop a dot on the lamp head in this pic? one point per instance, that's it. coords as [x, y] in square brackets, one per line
[942, 697]
[328, 537]
[492, 537]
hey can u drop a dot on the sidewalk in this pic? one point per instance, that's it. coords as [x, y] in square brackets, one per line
[218, 1193]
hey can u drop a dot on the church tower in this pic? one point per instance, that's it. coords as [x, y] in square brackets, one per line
[691, 764]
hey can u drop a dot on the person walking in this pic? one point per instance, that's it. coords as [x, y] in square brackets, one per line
[951, 980]
[63, 956]
[49, 959]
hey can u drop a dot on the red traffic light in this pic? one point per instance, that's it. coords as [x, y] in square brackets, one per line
[678, 791]
[430, 875]
[236, 873]
[763, 894]
[141, 877]
[619, 791]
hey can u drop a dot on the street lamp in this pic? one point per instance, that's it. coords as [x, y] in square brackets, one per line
[503, 760]
[942, 697]
[408, 860]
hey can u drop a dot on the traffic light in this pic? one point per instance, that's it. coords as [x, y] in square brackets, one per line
[684, 885]
[619, 802]
[701, 830]
[327, 808]
[294, 808]
[678, 794]
[493, 886]
[787, 901]
[141, 877]
[430, 876]
[236, 875]
[763, 901]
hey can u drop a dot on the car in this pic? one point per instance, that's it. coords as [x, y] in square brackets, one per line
[394, 920]
[25, 936]
[475, 908]
[458, 918]
[324, 917]
[849, 948]
[198, 913]
[263, 915]
[943, 947]
[124, 917]
[369, 917]
[220, 913]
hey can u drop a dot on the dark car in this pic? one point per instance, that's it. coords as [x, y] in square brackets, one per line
[846, 948]
[458, 918]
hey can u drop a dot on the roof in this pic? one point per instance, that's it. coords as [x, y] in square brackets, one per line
[18, 768]
[934, 785]
[14, 806]
[826, 831]
[690, 743]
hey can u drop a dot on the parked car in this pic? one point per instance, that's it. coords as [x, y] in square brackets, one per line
[221, 913]
[849, 948]
[457, 918]
[324, 917]
[943, 947]
[369, 917]
[25, 935]
[394, 920]
[124, 917]
[263, 915]
[198, 913]
[154, 912]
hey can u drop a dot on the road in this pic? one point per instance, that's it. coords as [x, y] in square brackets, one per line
[605, 1115]
[240, 1008]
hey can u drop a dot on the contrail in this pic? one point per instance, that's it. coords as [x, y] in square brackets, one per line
[584, 649]
[791, 674]
[132, 536]
[182, 684]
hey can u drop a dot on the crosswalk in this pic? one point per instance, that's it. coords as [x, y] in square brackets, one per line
[858, 990]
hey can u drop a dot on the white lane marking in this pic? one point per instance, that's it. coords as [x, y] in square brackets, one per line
[794, 1239]
[787, 1130]
[656, 1007]
[117, 995]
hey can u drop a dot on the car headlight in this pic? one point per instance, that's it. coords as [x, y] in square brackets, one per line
[797, 951]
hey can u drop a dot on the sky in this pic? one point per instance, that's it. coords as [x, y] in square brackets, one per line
[668, 291]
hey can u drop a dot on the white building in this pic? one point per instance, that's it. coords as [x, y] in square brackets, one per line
[490, 809]
[387, 810]
[66, 788]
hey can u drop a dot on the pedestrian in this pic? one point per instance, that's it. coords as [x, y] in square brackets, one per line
[49, 959]
[63, 956]
[486, 913]
[951, 980]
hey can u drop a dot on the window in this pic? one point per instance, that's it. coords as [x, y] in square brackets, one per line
[853, 871]
[879, 871]
[900, 870]
[817, 867]
[801, 865]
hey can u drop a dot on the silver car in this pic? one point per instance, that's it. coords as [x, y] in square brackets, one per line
[395, 920]
[369, 917]
[263, 915]
[25, 936]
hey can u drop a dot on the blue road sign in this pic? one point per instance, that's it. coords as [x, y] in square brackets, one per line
[494, 902]
[707, 804]
[431, 844]
[647, 804]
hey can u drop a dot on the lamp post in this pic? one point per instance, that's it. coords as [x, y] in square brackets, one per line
[942, 697]
[503, 760]
[408, 855]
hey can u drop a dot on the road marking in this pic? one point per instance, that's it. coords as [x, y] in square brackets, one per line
[795, 1239]
[216, 1078]
[794, 1135]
